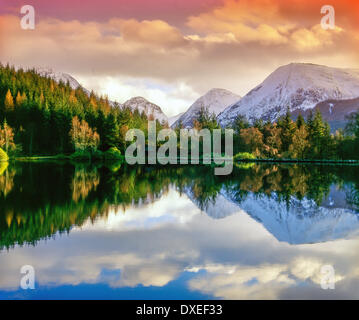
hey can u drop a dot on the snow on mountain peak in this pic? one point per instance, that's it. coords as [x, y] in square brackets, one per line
[149, 108]
[172, 120]
[216, 100]
[299, 86]
[58, 76]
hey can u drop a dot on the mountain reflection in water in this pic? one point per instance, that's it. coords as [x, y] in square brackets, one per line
[115, 231]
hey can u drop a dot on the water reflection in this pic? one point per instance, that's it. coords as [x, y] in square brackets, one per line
[178, 232]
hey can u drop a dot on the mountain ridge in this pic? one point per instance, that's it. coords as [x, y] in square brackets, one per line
[149, 108]
[299, 86]
[215, 100]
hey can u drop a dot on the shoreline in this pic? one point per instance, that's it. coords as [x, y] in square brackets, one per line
[122, 159]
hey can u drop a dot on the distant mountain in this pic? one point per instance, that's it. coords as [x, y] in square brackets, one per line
[216, 100]
[60, 76]
[334, 111]
[217, 208]
[172, 120]
[145, 106]
[301, 221]
[298, 221]
[135, 103]
[298, 86]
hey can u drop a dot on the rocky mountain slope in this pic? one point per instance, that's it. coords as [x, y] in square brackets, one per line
[149, 108]
[215, 100]
[298, 86]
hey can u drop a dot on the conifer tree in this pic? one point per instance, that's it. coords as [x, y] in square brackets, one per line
[288, 127]
[9, 101]
[300, 121]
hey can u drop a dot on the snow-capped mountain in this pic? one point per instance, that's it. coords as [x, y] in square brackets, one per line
[301, 221]
[215, 100]
[60, 76]
[135, 103]
[299, 86]
[218, 208]
[149, 108]
[172, 120]
[295, 222]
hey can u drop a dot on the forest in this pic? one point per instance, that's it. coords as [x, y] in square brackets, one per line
[39, 116]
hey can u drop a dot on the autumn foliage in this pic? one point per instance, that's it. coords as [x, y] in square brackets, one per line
[82, 136]
[7, 137]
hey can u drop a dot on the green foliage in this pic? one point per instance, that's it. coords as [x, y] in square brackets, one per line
[240, 123]
[113, 154]
[304, 139]
[40, 111]
[244, 156]
[3, 155]
[80, 155]
[89, 191]
[287, 127]
[206, 120]
[43, 110]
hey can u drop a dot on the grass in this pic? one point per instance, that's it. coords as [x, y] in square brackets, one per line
[42, 158]
[244, 156]
[77, 156]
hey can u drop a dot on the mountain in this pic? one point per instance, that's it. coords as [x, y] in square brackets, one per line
[172, 120]
[60, 76]
[298, 221]
[135, 103]
[216, 100]
[145, 106]
[217, 208]
[299, 86]
[335, 112]
[321, 224]
[301, 221]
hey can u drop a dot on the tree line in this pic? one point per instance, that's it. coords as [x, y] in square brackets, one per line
[289, 138]
[39, 116]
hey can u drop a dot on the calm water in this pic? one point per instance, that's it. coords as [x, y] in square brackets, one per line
[116, 232]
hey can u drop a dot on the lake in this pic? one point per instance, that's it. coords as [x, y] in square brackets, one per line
[178, 232]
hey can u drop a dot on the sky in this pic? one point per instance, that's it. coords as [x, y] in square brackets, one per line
[139, 250]
[173, 51]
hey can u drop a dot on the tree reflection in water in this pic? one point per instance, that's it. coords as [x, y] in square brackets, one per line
[37, 200]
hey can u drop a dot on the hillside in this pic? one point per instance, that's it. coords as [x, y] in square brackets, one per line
[297, 86]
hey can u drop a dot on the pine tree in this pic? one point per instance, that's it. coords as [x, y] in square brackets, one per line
[319, 136]
[18, 100]
[111, 132]
[9, 102]
[288, 127]
[240, 123]
[300, 121]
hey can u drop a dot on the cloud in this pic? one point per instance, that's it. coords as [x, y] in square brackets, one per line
[263, 282]
[248, 21]
[232, 45]
[262, 21]
[314, 38]
[155, 33]
[154, 244]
